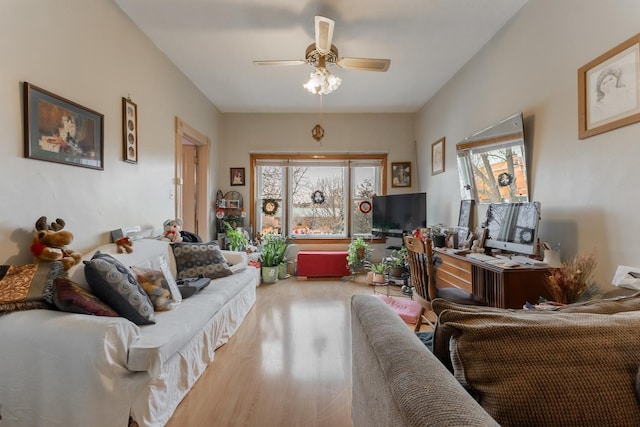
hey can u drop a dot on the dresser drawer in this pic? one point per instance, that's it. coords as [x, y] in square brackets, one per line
[453, 272]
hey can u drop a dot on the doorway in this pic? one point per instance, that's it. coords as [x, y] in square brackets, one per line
[192, 183]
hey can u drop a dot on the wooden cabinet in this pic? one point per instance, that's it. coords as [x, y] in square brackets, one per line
[497, 286]
[453, 272]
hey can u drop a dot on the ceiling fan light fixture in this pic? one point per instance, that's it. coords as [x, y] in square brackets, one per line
[322, 82]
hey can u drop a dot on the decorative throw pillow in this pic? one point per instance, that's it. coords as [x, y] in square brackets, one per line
[72, 298]
[156, 279]
[442, 334]
[113, 283]
[541, 369]
[200, 259]
[25, 287]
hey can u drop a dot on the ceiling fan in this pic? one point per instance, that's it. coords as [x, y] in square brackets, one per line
[322, 54]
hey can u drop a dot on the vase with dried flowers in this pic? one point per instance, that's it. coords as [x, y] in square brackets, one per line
[572, 281]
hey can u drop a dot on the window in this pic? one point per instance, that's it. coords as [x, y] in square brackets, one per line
[310, 197]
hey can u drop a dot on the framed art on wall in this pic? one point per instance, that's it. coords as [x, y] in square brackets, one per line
[437, 157]
[61, 131]
[401, 174]
[129, 130]
[237, 176]
[609, 90]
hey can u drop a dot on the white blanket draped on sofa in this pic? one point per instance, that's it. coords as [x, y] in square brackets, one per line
[64, 369]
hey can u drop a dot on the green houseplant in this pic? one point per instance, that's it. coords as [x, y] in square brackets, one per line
[438, 234]
[377, 270]
[272, 258]
[358, 253]
[397, 262]
[237, 240]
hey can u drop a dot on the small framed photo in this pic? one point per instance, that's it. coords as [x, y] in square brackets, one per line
[437, 156]
[452, 240]
[466, 210]
[61, 131]
[609, 90]
[464, 238]
[129, 130]
[237, 176]
[401, 174]
[480, 236]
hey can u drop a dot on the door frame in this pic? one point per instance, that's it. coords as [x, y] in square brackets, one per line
[186, 132]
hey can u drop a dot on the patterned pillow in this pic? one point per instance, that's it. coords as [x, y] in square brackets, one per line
[25, 287]
[542, 369]
[113, 283]
[72, 298]
[200, 259]
[442, 334]
[156, 279]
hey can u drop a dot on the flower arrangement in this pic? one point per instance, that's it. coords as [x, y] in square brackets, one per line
[572, 281]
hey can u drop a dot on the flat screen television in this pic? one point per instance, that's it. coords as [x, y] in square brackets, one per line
[395, 213]
[513, 227]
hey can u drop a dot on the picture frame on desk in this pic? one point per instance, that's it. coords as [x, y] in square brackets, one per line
[466, 210]
[480, 235]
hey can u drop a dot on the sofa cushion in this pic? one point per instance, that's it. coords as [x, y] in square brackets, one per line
[541, 369]
[113, 283]
[25, 287]
[72, 298]
[442, 335]
[200, 259]
[175, 328]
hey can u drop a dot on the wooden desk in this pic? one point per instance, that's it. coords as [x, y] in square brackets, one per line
[497, 286]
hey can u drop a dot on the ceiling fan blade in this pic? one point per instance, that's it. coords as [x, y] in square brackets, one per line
[324, 33]
[366, 64]
[281, 62]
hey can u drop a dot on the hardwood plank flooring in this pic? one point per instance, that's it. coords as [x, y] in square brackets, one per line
[289, 363]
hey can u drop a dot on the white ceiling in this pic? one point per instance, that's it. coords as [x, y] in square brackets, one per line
[215, 41]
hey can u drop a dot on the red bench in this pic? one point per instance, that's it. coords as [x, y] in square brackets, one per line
[322, 264]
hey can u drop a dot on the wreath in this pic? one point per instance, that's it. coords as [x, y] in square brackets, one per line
[365, 206]
[317, 197]
[505, 179]
[270, 206]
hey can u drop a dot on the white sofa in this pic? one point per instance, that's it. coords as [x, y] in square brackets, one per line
[64, 369]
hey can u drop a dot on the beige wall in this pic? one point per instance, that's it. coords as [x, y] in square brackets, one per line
[588, 188]
[89, 52]
[343, 133]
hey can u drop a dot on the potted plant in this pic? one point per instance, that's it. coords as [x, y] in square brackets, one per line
[438, 235]
[269, 260]
[280, 246]
[397, 262]
[237, 240]
[378, 270]
[358, 253]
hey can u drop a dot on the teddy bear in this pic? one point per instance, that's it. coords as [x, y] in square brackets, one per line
[124, 244]
[50, 243]
[172, 228]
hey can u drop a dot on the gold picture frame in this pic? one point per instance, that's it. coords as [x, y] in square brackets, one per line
[609, 90]
[437, 156]
[129, 130]
[401, 174]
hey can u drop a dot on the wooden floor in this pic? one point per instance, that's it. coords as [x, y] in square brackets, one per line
[289, 363]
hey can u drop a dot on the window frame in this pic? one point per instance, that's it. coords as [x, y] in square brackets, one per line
[253, 188]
